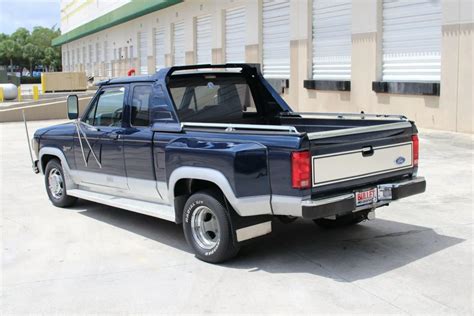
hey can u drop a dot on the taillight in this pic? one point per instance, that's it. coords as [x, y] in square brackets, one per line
[300, 170]
[416, 149]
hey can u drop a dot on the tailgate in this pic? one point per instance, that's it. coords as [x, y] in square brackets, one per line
[361, 158]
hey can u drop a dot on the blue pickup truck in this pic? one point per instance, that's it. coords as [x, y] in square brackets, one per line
[215, 147]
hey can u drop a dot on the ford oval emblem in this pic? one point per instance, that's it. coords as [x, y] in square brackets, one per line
[400, 160]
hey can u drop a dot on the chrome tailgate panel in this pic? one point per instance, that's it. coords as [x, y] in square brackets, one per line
[364, 162]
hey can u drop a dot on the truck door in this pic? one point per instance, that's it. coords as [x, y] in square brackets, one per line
[104, 132]
[138, 145]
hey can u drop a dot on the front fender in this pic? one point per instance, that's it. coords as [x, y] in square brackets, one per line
[56, 152]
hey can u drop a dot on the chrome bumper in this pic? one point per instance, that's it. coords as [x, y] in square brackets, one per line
[346, 203]
[35, 166]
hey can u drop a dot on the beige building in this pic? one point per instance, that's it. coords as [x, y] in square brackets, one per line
[411, 57]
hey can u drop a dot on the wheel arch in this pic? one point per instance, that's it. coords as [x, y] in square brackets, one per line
[47, 153]
[183, 180]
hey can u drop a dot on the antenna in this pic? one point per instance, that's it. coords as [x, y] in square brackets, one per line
[28, 141]
[79, 133]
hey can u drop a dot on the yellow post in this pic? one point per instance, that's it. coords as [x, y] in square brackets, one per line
[43, 85]
[35, 93]
[20, 97]
[1, 94]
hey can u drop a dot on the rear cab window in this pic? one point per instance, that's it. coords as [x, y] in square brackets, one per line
[140, 105]
[212, 98]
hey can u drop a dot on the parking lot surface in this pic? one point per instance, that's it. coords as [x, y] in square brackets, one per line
[415, 257]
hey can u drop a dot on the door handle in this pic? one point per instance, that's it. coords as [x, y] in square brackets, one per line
[367, 151]
[113, 135]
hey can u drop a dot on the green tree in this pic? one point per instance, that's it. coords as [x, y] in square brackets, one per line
[22, 36]
[9, 50]
[31, 53]
[51, 59]
[26, 49]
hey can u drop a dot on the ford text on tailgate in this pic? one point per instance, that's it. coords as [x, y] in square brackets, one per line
[216, 149]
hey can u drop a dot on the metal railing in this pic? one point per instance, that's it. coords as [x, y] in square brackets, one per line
[348, 115]
[229, 127]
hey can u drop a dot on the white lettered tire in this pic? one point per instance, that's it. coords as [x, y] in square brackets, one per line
[56, 185]
[207, 228]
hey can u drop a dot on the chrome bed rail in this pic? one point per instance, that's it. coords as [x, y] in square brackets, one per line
[348, 115]
[359, 130]
[228, 127]
[291, 130]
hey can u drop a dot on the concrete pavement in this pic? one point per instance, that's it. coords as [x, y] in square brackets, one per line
[416, 257]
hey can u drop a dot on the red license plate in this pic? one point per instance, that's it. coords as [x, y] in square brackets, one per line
[366, 197]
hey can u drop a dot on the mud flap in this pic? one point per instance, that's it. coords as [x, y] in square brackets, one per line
[245, 228]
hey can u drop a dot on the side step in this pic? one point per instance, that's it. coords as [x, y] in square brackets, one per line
[153, 209]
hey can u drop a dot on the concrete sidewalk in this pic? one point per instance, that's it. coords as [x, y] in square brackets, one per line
[416, 257]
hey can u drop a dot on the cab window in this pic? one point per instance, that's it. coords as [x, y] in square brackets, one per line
[140, 114]
[108, 108]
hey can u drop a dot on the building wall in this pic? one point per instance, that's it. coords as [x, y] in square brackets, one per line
[451, 110]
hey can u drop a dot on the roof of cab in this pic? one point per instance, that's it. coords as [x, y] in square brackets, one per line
[131, 79]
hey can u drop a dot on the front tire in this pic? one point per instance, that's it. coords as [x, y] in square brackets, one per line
[56, 185]
[207, 228]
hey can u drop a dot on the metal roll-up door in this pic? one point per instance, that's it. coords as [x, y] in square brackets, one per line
[108, 64]
[90, 68]
[143, 52]
[332, 39]
[235, 35]
[73, 60]
[178, 44]
[68, 63]
[98, 60]
[411, 40]
[276, 39]
[159, 48]
[203, 40]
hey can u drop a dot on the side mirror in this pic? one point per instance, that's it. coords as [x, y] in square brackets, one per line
[72, 107]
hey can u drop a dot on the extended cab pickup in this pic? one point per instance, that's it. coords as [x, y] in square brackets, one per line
[214, 147]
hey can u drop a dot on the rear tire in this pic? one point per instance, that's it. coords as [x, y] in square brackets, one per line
[56, 185]
[207, 228]
[341, 221]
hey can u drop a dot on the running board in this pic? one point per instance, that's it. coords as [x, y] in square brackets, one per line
[153, 209]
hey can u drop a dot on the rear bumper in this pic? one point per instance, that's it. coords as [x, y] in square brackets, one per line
[346, 203]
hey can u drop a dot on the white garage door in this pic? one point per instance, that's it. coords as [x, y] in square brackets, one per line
[108, 64]
[159, 48]
[203, 40]
[411, 40]
[332, 39]
[98, 60]
[178, 44]
[276, 38]
[235, 35]
[143, 52]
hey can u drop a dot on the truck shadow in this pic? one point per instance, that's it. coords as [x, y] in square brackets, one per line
[346, 254]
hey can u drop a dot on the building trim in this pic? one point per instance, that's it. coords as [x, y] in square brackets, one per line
[127, 12]
[329, 85]
[414, 88]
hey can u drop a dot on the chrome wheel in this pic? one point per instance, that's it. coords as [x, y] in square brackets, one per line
[205, 227]
[55, 183]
